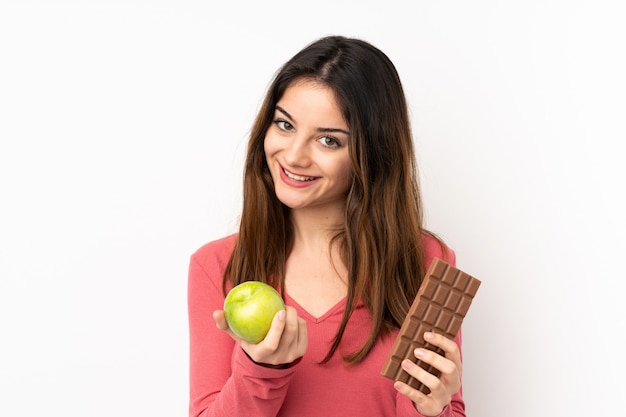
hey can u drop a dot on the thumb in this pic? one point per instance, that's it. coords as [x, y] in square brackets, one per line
[272, 339]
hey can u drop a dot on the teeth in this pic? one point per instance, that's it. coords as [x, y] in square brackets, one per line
[297, 177]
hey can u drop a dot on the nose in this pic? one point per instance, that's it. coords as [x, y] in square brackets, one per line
[297, 152]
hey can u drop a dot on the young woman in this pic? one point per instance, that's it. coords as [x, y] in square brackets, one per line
[332, 218]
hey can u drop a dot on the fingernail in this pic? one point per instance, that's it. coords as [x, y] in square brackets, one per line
[419, 352]
[428, 335]
[407, 365]
[281, 315]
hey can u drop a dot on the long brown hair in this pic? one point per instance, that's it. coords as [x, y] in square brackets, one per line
[381, 238]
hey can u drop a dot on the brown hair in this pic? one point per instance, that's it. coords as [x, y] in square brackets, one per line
[381, 238]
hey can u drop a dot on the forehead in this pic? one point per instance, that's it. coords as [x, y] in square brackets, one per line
[312, 100]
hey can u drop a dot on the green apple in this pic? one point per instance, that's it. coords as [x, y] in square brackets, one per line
[249, 309]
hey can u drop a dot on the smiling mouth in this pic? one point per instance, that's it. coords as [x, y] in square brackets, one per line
[295, 177]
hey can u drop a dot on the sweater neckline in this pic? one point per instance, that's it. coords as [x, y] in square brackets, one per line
[302, 312]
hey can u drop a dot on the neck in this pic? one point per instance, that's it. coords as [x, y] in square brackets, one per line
[314, 227]
[316, 274]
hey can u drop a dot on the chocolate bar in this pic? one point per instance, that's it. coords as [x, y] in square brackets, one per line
[440, 305]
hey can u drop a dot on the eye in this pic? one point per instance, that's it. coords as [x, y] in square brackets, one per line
[329, 142]
[283, 125]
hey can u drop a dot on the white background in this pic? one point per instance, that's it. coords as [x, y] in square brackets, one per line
[123, 126]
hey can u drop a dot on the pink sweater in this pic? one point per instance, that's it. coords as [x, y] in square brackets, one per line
[225, 382]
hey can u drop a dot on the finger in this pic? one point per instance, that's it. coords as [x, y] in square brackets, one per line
[290, 332]
[298, 342]
[424, 404]
[220, 320]
[440, 363]
[272, 339]
[421, 374]
[414, 395]
[449, 346]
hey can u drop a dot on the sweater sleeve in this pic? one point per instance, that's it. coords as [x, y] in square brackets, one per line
[223, 380]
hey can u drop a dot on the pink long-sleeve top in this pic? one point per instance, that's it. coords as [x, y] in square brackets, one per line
[225, 382]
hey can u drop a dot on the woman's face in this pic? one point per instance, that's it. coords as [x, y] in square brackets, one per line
[307, 148]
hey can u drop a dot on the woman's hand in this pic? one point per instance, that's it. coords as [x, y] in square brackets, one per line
[441, 389]
[285, 342]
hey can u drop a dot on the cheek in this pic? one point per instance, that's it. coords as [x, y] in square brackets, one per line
[269, 145]
[345, 173]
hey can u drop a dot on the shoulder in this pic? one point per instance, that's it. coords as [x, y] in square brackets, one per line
[216, 253]
[435, 247]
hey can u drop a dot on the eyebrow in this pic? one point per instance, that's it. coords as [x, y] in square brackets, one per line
[319, 129]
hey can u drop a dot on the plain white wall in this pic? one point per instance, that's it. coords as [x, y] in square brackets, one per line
[122, 129]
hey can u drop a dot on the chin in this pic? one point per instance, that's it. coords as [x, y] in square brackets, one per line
[290, 200]
[293, 204]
